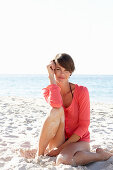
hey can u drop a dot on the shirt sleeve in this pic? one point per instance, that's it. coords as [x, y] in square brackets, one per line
[52, 95]
[84, 112]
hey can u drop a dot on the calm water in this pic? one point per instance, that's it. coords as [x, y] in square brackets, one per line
[100, 86]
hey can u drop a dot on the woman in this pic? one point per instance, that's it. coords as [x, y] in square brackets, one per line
[65, 131]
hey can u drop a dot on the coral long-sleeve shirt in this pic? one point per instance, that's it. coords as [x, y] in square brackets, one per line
[77, 115]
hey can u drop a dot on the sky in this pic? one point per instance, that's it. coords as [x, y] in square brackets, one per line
[32, 32]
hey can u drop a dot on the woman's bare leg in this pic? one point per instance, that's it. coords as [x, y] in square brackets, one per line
[79, 154]
[52, 133]
[83, 157]
[59, 138]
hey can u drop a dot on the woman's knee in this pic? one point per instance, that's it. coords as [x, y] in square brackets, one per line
[64, 159]
[56, 113]
[72, 154]
[75, 160]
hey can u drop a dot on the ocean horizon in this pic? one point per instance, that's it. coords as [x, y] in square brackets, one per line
[30, 85]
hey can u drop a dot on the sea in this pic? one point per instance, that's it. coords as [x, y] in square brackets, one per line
[30, 85]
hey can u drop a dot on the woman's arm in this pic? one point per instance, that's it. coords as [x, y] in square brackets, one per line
[51, 68]
[74, 138]
[52, 92]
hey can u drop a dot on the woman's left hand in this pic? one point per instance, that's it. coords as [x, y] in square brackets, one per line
[54, 152]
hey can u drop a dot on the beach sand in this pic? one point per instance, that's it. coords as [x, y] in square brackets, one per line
[20, 123]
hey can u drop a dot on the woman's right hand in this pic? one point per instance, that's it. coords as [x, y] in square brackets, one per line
[51, 68]
[51, 72]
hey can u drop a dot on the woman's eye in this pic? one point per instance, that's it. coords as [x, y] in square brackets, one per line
[57, 69]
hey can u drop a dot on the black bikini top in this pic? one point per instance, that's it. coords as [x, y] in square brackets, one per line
[71, 90]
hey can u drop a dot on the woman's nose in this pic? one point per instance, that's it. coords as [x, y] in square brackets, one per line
[62, 72]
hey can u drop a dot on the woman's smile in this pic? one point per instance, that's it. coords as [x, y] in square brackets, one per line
[62, 78]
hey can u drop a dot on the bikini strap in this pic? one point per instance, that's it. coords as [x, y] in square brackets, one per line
[71, 90]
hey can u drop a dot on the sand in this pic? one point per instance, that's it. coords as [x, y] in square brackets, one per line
[20, 122]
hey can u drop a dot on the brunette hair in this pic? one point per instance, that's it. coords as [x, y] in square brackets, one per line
[66, 61]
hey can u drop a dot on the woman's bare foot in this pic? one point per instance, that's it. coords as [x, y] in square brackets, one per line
[29, 154]
[104, 154]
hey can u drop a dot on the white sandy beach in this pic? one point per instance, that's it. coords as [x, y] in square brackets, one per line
[20, 122]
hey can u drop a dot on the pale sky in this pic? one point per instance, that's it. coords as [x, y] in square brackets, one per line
[32, 32]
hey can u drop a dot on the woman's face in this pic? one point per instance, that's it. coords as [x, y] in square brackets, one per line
[61, 74]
